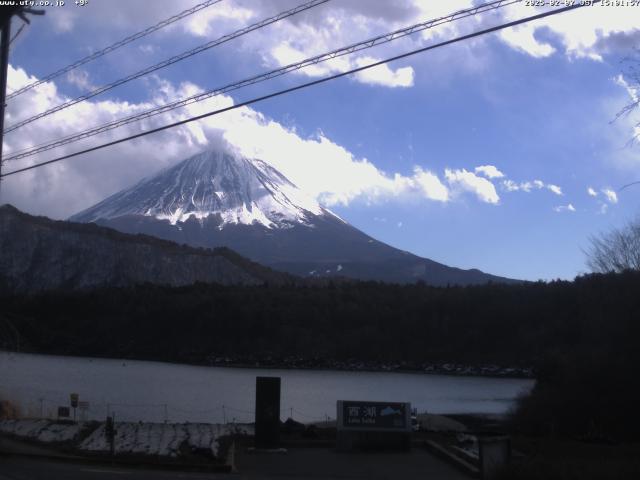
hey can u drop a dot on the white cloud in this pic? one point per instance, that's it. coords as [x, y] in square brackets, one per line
[333, 26]
[527, 186]
[206, 22]
[603, 208]
[147, 49]
[383, 75]
[338, 24]
[63, 19]
[626, 134]
[489, 171]
[632, 90]
[555, 189]
[80, 78]
[430, 185]
[611, 196]
[588, 32]
[318, 165]
[530, 185]
[470, 182]
[522, 37]
[564, 208]
[321, 167]
[510, 185]
[63, 188]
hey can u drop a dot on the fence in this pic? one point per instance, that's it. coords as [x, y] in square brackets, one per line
[48, 408]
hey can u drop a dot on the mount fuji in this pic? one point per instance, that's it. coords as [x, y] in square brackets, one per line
[216, 199]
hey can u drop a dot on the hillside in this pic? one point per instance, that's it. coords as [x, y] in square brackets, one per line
[38, 254]
[218, 199]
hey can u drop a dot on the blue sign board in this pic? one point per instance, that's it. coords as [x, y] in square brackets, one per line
[374, 416]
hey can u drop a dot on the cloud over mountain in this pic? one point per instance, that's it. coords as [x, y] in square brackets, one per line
[323, 168]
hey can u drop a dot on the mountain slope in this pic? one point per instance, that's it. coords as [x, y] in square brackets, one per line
[237, 190]
[37, 253]
[215, 199]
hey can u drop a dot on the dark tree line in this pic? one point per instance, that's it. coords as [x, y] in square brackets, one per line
[583, 336]
[507, 324]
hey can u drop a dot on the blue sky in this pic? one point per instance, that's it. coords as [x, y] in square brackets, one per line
[396, 152]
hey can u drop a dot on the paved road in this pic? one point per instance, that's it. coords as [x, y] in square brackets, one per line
[24, 468]
[301, 463]
[317, 463]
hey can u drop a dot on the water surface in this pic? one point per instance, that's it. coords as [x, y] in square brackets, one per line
[155, 391]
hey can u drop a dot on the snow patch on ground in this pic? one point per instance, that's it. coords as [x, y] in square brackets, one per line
[163, 439]
[45, 431]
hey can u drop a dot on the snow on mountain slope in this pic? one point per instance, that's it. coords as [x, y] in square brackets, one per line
[215, 199]
[239, 190]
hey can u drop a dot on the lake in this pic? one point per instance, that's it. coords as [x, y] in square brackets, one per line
[155, 391]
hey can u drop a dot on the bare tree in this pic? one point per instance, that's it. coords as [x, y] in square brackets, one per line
[615, 251]
[630, 78]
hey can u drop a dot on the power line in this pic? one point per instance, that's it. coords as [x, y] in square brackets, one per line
[628, 185]
[5, 24]
[170, 61]
[304, 85]
[5, 40]
[365, 44]
[17, 34]
[115, 46]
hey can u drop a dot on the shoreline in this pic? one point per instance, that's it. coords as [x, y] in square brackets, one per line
[462, 371]
[441, 369]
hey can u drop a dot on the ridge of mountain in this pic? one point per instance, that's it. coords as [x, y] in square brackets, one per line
[216, 199]
[37, 253]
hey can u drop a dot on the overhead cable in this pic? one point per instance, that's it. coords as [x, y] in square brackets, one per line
[167, 62]
[302, 86]
[115, 46]
[365, 44]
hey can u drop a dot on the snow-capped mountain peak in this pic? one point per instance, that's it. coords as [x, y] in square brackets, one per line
[237, 189]
[215, 199]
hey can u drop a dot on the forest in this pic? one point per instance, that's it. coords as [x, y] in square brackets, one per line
[581, 337]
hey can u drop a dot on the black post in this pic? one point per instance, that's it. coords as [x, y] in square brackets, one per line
[267, 412]
[4, 67]
[110, 432]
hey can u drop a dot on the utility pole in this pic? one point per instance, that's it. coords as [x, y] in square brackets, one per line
[4, 66]
[5, 38]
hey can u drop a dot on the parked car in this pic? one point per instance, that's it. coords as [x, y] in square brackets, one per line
[415, 424]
